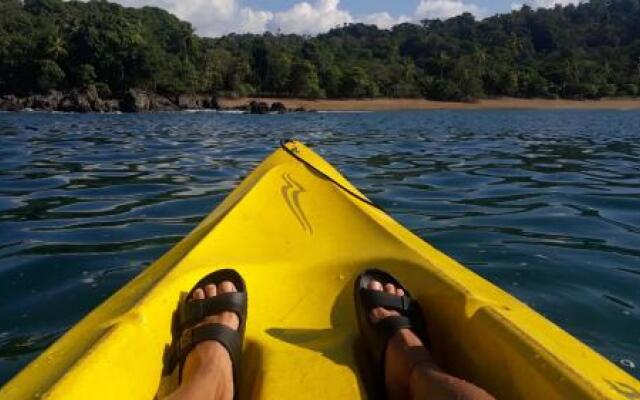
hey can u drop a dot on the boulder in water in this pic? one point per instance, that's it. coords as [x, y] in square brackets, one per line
[258, 107]
[278, 107]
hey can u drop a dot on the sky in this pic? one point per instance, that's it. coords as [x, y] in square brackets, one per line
[219, 17]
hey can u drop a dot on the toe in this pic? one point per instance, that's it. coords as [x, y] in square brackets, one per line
[198, 294]
[389, 288]
[379, 313]
[210, 290]
[375, 285]
[228, 318]
[227, 287]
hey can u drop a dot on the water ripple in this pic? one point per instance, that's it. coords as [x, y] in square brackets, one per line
[543, 203]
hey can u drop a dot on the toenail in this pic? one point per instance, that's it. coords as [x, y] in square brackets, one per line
[198, 294]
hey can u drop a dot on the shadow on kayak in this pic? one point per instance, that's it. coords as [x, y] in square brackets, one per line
[330, 342]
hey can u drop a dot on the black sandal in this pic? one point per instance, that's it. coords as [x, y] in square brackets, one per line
[193, 312]
[374, 336]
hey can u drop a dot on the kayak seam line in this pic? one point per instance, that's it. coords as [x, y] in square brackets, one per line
[283, 145]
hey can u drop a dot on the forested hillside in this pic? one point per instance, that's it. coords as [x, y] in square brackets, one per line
[586, 51]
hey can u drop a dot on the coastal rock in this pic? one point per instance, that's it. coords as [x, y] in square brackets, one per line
[112, 105]
[278, 107]
[258, 107]
[48, 102]
[135, 100]
[196, 101]
[189, 102]
[161, 103]
[84, 101]
[10, 102]
[89, 100]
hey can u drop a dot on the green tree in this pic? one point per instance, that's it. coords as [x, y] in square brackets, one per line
[50, 75]
[587, 50]
[357, 84]
[86, 75]
[304, 81]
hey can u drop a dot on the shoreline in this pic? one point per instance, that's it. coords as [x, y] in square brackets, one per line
[136, 100]
[389, 104]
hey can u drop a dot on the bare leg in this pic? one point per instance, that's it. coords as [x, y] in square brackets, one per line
[207, 372]
[411, 372]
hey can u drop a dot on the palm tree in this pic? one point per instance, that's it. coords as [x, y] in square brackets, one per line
[55, 47]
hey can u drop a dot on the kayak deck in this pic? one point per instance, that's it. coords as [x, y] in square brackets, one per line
[299, 239]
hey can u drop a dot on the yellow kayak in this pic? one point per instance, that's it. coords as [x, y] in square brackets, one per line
[299, 233]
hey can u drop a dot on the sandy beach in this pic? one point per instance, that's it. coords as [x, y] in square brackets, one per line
[421, 104]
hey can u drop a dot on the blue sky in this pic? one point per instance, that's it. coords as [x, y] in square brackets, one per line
[364, 7]
[220, 17]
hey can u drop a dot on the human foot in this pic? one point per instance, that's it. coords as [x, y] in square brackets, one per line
[209, 360]
[208, 330]
[404, 351]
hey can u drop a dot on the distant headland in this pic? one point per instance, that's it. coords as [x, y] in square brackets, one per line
[100, 56]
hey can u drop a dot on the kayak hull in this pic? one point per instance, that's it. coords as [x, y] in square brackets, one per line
[299, 233]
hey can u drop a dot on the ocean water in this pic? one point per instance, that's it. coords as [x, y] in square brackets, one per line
[546, 204]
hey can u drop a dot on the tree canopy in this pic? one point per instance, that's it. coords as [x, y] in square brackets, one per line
[590, 50]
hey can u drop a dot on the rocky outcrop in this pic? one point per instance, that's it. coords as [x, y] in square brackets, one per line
[47, 102]
[85, 100]
[135, 100]
[11, 103]
[261, 107]
[89, 100]
[258, 107]
[196, 101]
[278, 107]
[161, 103]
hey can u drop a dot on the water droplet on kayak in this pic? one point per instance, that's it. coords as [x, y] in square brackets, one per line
[627, 363]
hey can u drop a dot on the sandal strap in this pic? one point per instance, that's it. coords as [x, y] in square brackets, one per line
[193, 312]
[376, 298]
[227, 337]
[388, 326]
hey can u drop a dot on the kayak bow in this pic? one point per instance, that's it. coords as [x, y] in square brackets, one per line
[299, 233]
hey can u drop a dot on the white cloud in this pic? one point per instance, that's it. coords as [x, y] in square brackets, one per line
[443, 9]
[220, 17]
[253, 21]
[212, 17]
[544, 3]
[307, 18]
[384, 20]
